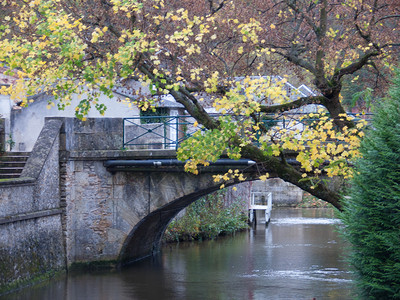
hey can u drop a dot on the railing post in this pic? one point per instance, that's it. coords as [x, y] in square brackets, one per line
[123, 133]
[165, 133]
[177, 132]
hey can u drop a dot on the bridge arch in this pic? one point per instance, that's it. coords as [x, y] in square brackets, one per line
[172, 192]
[145, 238]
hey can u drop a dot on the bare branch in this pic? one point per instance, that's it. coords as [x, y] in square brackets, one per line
[387, 17]
[309, 21]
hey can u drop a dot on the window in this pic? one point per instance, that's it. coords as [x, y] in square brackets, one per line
[153, 116]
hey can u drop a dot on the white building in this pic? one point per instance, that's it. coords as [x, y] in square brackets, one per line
[23, 124]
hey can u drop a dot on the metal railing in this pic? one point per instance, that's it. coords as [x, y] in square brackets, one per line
[260, 201]
[158, 132]
[168, 132]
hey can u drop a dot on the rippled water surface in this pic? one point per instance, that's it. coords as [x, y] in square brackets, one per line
[299, 255]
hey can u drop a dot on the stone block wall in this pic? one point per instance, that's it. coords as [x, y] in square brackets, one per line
[2, 134]
[92, 134]
[90, 234]
[30, 247]
[31, 235]
[239, 193]
[283, 193]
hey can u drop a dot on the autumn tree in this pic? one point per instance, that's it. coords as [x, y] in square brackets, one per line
[220, 54]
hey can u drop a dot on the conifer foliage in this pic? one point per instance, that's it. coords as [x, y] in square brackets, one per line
[372, 212]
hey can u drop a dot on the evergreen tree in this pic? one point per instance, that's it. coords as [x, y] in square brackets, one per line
[372, 212]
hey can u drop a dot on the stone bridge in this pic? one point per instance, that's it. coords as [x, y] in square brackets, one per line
[120, 215]
[72, 206]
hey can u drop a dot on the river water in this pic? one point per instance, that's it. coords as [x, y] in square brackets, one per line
[299, 255]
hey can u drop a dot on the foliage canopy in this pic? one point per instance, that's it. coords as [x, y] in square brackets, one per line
[220, 54]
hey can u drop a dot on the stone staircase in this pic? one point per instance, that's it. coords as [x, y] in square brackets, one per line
[12, 164]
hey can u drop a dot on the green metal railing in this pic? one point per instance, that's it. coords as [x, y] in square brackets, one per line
[168, 132]
[164, 132]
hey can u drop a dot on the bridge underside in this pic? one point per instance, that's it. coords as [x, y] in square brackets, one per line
[145, 238]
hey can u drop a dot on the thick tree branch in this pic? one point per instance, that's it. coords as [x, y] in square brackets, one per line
[184, 97]
[277, 168]
[321, 35]
[292, 105]
[355, 66]
[297, 61]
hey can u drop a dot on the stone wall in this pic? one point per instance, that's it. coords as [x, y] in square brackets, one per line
[283, 193]
[107, 213]
[2, 134]
[239, 193]
[31, 236]
[92, 134]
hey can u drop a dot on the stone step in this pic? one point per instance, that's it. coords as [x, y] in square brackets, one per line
[6, 170]
[12, 164]
[15, 153]
[9, 175]
[14, 156]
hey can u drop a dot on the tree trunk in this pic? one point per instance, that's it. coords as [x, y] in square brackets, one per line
[335, 108]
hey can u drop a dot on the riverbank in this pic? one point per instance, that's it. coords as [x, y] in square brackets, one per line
[207, 218]
[309, 201]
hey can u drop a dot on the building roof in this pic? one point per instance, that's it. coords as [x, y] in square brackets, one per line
[167, 101]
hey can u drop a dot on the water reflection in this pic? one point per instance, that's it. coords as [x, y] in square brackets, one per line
[298, 256]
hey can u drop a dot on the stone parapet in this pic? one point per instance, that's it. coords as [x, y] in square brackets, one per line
[2, 135]
[92, 134]
[31, 238]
